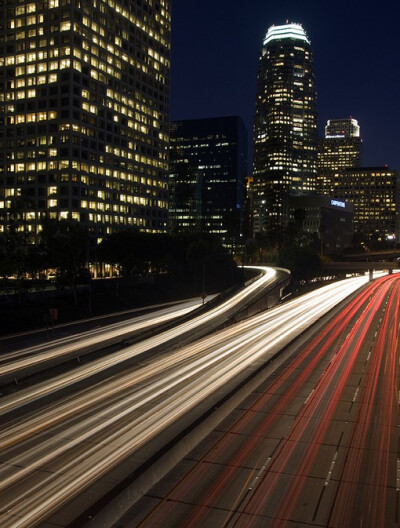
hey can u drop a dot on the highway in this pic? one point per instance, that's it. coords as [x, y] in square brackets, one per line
[33, 359]
[94, 337]
[317, 444]
[51, 453]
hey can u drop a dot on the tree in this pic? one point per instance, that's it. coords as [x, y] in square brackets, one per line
[15, 251]
[303, 262]
[231, 222]
[65, 245]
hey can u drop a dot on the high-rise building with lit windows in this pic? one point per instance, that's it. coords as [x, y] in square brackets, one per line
[208, 164]
[285, 140]
[375, 193]
[340, 148]
[84, 113]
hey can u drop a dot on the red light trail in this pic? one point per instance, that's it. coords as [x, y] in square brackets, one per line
[356, 356]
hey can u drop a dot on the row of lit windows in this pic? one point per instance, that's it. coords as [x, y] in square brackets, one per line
[106, 67]
[29, 81]
[139, 117]
[28, 21]
[129, 155]
[41, 67]
[92, 169]
[25, 9]
[31, 118]
[40, 140]
[22, 35]
[130, 103]
[21, 94]
[95, 205]
[95, 218]
[32, 154]
[127, 110]
[33, 56]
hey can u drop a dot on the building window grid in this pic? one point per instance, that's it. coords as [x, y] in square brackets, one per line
[144, 164]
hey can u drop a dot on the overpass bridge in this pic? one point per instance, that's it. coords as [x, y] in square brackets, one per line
[386, 255]
[359, 267]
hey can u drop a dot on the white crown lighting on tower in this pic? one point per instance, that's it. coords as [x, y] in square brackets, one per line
[285, 141]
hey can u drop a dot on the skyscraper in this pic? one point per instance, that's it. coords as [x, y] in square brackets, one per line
[375, 192]
[340, 148]
[84, 113]
[207, 175]
[285, 142]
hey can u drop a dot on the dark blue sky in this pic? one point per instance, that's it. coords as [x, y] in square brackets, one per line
[356, 46]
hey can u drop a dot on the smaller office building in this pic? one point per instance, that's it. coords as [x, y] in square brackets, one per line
[208, 163]
[341, 146]
[339, 149]
[331, 220]
[374, 192]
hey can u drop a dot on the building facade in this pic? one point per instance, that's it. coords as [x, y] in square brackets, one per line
[374, 192]
[84, 114]
[326, 219]
[340, 148]
[285, 127]
[208, 163]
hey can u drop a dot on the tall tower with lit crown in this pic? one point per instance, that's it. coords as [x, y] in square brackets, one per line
[285, 128]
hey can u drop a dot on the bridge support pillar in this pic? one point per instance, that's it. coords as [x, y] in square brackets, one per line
[371, 273]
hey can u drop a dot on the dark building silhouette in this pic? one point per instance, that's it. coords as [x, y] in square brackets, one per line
[328, 220]
[285, 141]
[207, 175]
[84, 114]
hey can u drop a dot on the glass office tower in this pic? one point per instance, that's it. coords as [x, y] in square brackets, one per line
[208, 159]
[84, 113]
[285, 140]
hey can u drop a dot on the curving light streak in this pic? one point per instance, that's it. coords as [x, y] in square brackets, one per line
[103, 424]
[13, 367]
[99, 335]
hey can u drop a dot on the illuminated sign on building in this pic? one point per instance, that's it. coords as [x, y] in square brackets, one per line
[337, 203]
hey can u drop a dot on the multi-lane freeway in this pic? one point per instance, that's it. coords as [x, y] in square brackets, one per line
[27, 361]
[317, 444]
[54, 451]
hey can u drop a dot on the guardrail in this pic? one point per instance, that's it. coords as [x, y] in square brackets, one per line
[359, 266]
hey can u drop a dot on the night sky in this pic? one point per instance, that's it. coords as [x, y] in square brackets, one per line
[356, 47]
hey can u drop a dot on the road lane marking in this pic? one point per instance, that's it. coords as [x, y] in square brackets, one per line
[328, 477]
[398, 475]
[308, 397]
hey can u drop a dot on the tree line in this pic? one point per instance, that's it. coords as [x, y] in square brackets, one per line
[65, 247]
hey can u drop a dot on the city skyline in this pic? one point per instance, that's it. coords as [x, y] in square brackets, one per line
[352, 63]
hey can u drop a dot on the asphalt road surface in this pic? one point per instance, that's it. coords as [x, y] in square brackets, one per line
[55, 452]
[316, 445]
